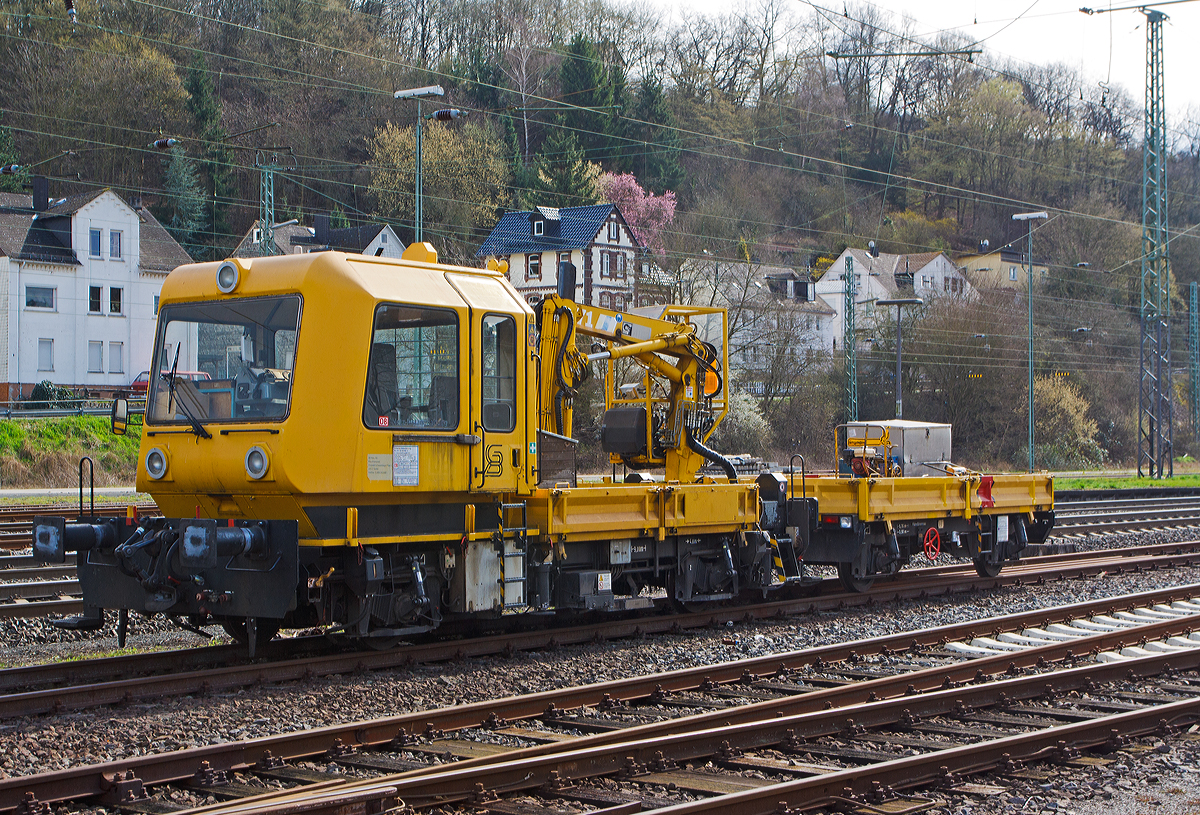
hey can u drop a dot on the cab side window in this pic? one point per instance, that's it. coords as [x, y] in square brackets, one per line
[412, 373]
[499, 364]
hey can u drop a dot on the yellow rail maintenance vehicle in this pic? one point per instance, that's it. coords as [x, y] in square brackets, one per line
[385, 447]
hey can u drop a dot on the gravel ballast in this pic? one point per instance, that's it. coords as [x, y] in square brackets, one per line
[46, 743]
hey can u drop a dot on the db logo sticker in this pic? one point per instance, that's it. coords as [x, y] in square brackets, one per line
[383, 421]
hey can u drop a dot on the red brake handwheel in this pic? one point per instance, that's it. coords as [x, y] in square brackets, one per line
[933, 543]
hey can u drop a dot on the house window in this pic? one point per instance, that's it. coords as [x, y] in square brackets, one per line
[39, 297]
[539, 227]
[618, 302]
[620, 264]
[614, 231]
[94, 295]
[156, 305]
[383, 237]
[116, 358]
[94, 243]
[45, 355]
[534, 269]
[605, 264]
[114, 244]
[1012, 272]
[95, 357]
[114, 300]
[564, 257]
[605, 299]
[946, 284]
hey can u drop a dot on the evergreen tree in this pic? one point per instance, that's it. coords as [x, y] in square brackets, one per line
[338, 219]
[657, 157]
[616, 127]
[587, 90]
[183, 203]
[565, 178]
[215, 162]
[9, 155]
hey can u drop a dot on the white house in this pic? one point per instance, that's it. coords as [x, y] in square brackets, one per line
[79, 283]
[880, 276]
[594, 238]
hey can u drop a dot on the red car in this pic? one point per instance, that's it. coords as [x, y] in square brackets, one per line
[141, 385]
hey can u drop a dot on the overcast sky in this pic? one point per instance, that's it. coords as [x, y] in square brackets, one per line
[1103, 47]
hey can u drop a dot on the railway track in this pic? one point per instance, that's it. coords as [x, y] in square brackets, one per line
[813, 727]
[141, 677]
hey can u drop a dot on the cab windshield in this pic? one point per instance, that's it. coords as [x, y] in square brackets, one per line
[239, 354]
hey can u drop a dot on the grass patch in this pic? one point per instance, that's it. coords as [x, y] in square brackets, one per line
[46, 452]
[1125, 482]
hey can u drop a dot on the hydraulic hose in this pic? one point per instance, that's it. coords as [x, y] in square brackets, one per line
[712, 455]
[565, 390]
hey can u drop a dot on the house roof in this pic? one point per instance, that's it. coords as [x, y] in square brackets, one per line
[25, 235]
[158, 251]
[73, 203]
[286, 236]
[352, 239]
[578, 228]
[818, 306]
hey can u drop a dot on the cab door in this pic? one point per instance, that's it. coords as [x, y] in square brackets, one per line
[495, 414]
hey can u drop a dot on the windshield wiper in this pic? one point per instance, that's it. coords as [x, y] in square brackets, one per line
[197, 428]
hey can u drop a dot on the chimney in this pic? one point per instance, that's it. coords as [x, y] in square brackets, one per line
[41, 193]
[321, 228]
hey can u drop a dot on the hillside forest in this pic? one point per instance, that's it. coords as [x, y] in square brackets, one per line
[774, 134]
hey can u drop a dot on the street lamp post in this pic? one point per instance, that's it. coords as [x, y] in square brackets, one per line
[419, 94]
[899, 302]
[1030, 217]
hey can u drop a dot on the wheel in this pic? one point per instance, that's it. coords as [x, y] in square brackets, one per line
[699, 606]
[988, 569]
[380, 643]
[852, 584]
[266, 627]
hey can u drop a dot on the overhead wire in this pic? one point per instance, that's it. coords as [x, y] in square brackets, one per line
[964, 193]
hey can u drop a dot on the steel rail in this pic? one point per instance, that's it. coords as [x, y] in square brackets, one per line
[38, 608]
[38, 588]
[90, 780]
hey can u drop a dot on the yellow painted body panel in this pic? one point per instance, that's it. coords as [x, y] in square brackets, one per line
[902, 499]
[320, 452]
[643, 510]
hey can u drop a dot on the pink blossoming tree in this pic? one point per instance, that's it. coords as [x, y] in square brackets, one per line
[646, 213]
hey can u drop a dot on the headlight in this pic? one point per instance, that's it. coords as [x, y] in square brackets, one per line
[257, 462]
[156, 464]
[227, 277]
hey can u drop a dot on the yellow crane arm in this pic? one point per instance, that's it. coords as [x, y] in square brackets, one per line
[669, 347]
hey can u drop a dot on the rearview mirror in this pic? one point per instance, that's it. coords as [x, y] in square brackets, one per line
[120, 416]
